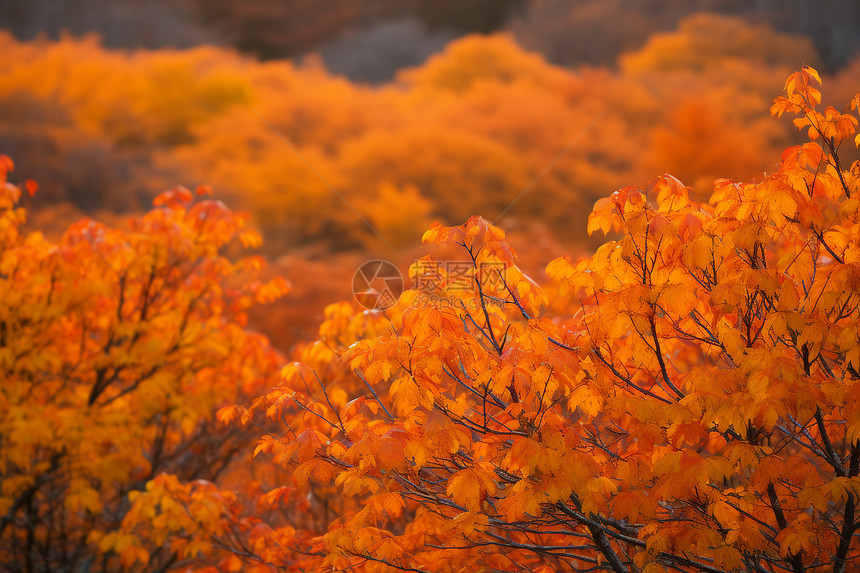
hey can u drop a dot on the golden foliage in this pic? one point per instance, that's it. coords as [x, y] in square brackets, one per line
[116, 348]
[469, 130]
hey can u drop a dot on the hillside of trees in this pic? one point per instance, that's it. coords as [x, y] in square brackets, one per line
[467, 132]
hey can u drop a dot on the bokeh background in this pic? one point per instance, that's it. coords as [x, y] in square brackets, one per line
[414, 110]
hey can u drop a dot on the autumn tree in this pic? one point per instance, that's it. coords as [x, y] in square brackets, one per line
[116, 348]
[693, 407]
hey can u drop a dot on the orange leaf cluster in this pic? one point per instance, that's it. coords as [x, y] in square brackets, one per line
[696, 408]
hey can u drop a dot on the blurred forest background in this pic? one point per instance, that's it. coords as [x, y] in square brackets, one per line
[415, 110]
